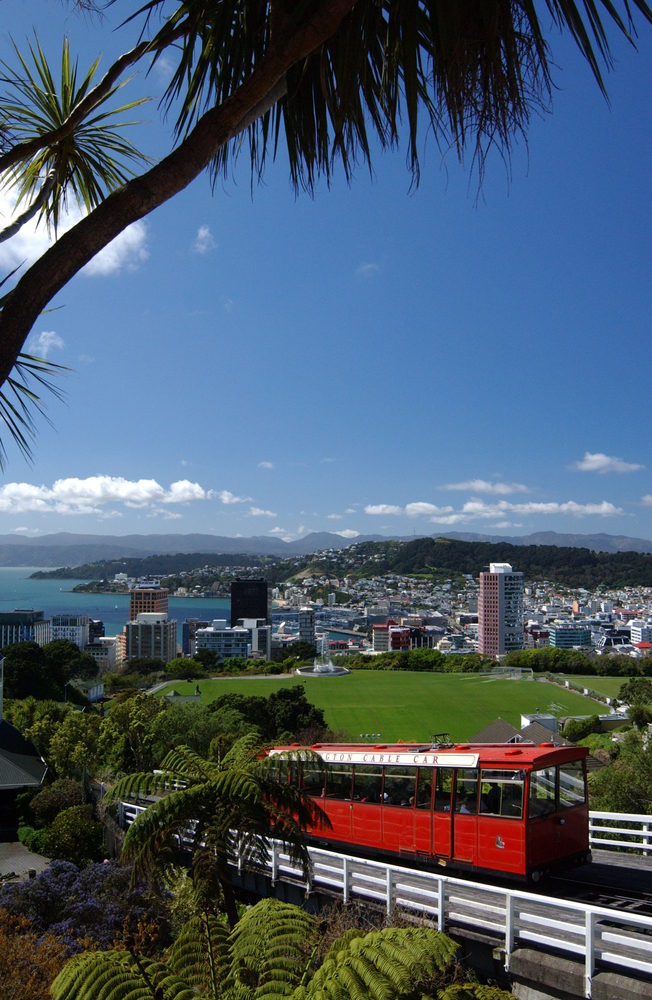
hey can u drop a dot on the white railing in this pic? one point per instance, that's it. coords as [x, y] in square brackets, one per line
[594, 934]
[621, 831]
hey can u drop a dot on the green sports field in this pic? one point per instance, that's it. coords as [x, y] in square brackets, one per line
[411, 706]
[609, 686]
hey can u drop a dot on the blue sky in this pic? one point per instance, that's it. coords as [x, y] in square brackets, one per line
[372, 360]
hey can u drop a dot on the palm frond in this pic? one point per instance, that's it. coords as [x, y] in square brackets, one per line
[91, 160]
[470, 71]
[19, 402]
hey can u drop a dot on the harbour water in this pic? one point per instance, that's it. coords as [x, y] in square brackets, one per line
[56, 597]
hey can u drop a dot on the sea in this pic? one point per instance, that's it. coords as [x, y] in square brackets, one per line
[56, 597]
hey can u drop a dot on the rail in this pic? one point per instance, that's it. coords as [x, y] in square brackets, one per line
[599, 936]
[621, 831]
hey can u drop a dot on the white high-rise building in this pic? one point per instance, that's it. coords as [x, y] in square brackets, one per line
[500, 610]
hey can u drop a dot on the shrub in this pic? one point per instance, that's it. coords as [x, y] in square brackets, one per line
[54, 798]
[74, 835]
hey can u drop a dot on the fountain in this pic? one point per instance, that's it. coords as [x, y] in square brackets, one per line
[323, 666]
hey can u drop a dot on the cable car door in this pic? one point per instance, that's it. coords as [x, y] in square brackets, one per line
[442, 827]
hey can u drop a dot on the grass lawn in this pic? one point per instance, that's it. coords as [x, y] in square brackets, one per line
[410, 706]
[609, 686]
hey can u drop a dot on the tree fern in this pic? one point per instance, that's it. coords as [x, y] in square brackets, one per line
[270, 948]
[382, 965]
[200, 955]
[113, 975]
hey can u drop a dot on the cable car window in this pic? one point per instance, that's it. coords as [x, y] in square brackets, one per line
[542, 792]
[424, 788]
[339, 778]
[312, 779]
[368, 782]
[400, 785]
[572, 786]
[443, 789]
[466, 790]
[501, 793]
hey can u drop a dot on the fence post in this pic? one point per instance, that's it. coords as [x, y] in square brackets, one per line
[509, 928]
[274, 861]
[388, 889]
[345, 880]
[590, 952]
[646, 839]
[441, 905]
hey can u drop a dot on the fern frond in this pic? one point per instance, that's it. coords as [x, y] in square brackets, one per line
[184, 763]
[270, 948]
[113, 975]
[474, 991]
[382, 965]
[200, 955]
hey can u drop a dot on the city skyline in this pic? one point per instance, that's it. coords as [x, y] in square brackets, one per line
[371, 361]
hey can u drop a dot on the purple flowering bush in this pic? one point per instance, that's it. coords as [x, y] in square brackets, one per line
[96, 903]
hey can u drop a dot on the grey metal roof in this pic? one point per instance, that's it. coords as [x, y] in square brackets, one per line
[20, 763]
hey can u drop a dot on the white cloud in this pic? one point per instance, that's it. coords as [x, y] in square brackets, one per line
[483, 486]
[327, 460]
[368, 269]
[203, 240]
[420, 509]
[348, 533]
[27, 532]
[265, 465]
[227, 497]
[647, 500]
[474, 510]
[350, 510]
[277, 531]
[90, 495]
[44, 342]
[259, 512]
[127, 250]
[334, 517]
[596, 461]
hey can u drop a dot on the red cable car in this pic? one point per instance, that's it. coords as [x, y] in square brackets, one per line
[514, 809]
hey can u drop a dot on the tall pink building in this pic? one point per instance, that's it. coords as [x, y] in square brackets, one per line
[500, 610]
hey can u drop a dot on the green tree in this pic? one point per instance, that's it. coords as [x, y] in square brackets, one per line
[325, 76]
[269, 954]
[636, 691]
[236, 798]
[126, 738]
[626, 784]
[73, 746]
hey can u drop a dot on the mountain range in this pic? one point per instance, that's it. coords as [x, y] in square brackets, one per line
[69, 549]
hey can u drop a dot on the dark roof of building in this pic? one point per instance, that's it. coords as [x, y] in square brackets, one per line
[497, 731]
[20, 763]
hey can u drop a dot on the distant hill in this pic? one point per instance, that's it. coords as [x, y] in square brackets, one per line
[599, 542]
[69, 549]
[573, 567]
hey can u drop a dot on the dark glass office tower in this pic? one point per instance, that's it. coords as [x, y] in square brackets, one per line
[249, 599]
